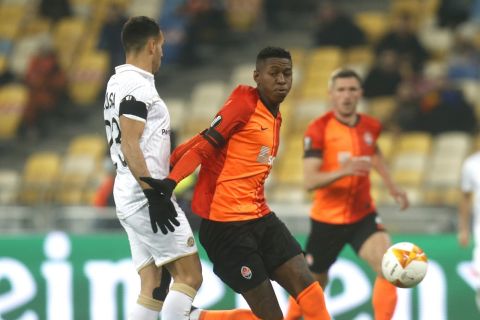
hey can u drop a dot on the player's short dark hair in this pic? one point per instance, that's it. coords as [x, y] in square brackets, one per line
[272, 52]
[344, 73]
[136, 32]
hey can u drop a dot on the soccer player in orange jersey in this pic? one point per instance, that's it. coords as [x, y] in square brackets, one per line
[246, 242]
[340, 150]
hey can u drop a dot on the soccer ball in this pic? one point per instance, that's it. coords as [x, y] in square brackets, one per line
[404, 265]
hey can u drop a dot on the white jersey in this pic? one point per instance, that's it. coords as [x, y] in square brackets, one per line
[132, 83]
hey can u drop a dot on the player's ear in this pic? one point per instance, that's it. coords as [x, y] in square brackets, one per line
[256, 75]
[151, 44]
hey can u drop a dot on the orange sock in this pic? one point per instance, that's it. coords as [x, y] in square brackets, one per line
[312, 302]
[294, 311]
[384, 299]
[236, 314]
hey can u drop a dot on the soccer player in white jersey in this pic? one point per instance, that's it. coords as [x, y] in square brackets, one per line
[470, 186]
[138, 132]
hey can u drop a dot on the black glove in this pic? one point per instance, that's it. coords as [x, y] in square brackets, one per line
[162, 211]
[163, 186]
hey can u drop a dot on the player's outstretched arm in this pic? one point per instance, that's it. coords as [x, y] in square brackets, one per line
[183, 148]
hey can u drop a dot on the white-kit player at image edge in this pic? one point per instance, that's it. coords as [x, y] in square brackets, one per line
[138, 133]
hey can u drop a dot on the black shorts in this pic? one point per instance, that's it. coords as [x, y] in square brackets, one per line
[246, 253]
[326, 241]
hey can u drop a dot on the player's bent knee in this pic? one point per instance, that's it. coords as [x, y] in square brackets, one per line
[185, 289]
[149, 303]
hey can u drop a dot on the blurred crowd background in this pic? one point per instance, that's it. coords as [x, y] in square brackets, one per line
[420, 60]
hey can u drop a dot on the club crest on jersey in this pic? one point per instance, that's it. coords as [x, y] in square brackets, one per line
[129, 98]
[190, 242]
[368, 138]
[246, 272]
[216, 121]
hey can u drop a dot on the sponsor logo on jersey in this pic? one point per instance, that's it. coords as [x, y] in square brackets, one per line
[264, 155]
[246, 272]
[190, 242]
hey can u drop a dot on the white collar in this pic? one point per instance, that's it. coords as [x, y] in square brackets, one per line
[131, 67]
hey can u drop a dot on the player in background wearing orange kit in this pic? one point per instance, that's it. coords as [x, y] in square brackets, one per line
[340, 150]
[246, 242]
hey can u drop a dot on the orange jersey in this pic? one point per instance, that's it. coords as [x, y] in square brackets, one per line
[230, 185]
[348, 199]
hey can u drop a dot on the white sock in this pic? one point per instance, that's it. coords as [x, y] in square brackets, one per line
[176, 306]
[139, 312]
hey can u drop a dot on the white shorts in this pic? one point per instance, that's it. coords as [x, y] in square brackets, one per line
[147, 247]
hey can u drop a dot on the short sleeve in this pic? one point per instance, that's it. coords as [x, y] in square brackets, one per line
[313, 140]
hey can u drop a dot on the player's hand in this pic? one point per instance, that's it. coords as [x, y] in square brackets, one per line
[163, 186]
[463, 237]
[357, 167]
[162, 212]
[400, 198]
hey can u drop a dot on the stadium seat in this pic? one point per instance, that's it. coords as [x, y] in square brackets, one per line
[178, 113]
[381, 108]
[67, 35]
[305, 111]
[39, 177]
[242, 15]
[408, 168]
[23, 50]
[149, 8]
[325, 57]
[359, 56]
[94, 145]
[242, 74]
[206, 100]
[438, 41]
[456, 144]
[414, 142]
[386, 144]
[88, 76]
[73, 178]
[13, 99]
[374, 23]
[9, 186]
[470, 89]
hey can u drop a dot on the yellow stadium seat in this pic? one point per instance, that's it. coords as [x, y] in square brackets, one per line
[374, 23]
[39, 177]
[386, 143]
[381, 108]
[94, 145]
[242, 15]
[359, 56]
[325, 57]
[74, 175]
[67, 35]
[88, 77]
[417, 142]
[408, 168]
[9, 186]
[13, 99]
